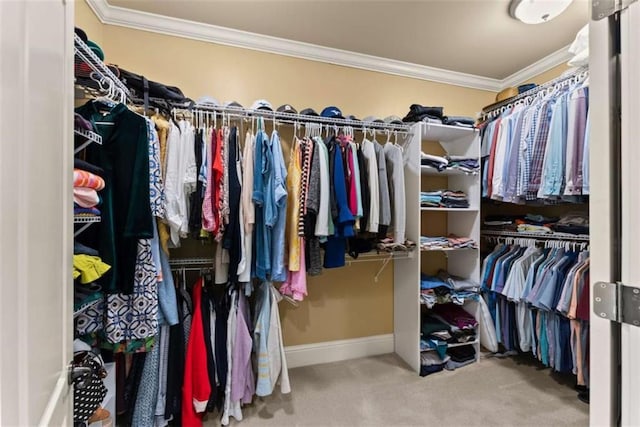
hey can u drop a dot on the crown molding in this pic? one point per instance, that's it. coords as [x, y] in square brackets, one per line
[118, 16]
[558, 57]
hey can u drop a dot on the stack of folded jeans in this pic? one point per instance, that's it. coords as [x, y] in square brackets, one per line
[431, 199]
[454, 199]
[458, 283]
[418, 113]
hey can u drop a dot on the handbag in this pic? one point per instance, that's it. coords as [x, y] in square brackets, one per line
[89, 390]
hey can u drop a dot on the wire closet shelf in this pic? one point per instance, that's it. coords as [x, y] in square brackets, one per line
[88, 65]
[210, 111]
[525, 98]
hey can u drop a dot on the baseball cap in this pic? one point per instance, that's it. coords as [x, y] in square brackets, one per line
[395, 120]
[332, 113]
[353, 118]
[233, 104]
[262, 104]
[287, 108]
[207, 100]
[372, 119]
[309, 112]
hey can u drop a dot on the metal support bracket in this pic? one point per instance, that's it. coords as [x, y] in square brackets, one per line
[617, 302]
[601, 9]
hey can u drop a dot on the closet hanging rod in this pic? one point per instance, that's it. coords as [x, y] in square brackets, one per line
[367, 257]
[290, 118]
[86, 55]
[500, 106]
[538, 236]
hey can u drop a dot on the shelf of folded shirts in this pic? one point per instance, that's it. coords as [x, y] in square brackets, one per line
[460, 344]
[445, 133]
[449, 209]
[86, 307]
[431, 171]
[92, 137]
[86, 221]
[539, 236]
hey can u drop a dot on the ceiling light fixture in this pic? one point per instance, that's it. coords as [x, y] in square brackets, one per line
[537, 11]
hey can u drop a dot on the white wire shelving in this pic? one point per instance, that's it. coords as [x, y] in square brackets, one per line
[537, 236]
[91, 137]
[85, 221]
[88, 65]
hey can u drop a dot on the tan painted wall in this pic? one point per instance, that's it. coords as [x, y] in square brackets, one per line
[344, 303]
[549, 74]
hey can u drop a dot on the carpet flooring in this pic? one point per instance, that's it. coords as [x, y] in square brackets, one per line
[381, 390]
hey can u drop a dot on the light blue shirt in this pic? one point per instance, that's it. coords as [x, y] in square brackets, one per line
[554, 163]
[278, 269]
[264, 208]
[585, 157]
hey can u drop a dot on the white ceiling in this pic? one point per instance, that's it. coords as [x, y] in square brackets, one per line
[469, 36]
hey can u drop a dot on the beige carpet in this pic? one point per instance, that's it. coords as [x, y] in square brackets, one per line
[377, 391]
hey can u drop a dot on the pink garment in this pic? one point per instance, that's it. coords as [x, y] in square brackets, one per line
[296, 284]
[208, 219]
[351, 181]
[242, 378]
[85, 197]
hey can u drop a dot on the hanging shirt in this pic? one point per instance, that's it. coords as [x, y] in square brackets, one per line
[261, 333]
[294, 182]
[232, 239]
[208, 217]
[248, 208]
[263, 200]
[552, 181]
[196, 387]
[395, 173]
[369, 153]
[278, 268]
[126, 207]
[324, 208]
[383, 185]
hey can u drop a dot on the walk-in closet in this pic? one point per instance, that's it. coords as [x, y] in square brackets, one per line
[277, 213]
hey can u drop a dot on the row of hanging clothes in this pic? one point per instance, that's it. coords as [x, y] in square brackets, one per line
[537, 149]
[225, 350]
[272, 221]
[538, 297]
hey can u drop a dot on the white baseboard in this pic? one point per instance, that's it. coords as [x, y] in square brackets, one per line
[334, 351]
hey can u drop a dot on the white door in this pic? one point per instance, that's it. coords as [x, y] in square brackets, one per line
[36, 220]
[615, 213]
[630, 266]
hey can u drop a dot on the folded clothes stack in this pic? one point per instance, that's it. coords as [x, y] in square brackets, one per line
[431, 199]
[573, 223]
[87, 181]
[451, 242]
[536, 224]
[437, 162]
[87, 268]
[444, 289]
[454, 199]
[463, 163]
[462, 121]
[445, 325]
[421, 113]
[501, 222]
